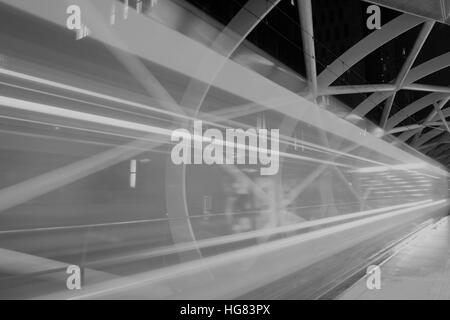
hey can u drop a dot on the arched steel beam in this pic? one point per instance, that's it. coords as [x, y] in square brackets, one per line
[225, 44]
[429, 67]
[437, 108]
[209, 68]
[418, 44]
[401, 77]
[422, 70]
[362, 88]
[428, 136]
[433, 116]
[364, 47]
[429, 146]
[442, 156]
[371, 102]
[444, 113]
[439, 150]
[414, 107]
[408, 134]
[426, 88]
[413, 127]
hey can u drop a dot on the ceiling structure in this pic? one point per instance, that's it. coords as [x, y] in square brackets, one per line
[431, 134]
[422, 122]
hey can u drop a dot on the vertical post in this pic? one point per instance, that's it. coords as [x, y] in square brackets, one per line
[133, 171]
[309, 54]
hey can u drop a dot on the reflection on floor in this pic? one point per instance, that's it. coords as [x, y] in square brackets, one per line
[420, 270]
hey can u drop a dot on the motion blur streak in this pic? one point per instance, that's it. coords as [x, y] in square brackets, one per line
[264, 273]
[83, 91]
[305, 144]
[87, 178]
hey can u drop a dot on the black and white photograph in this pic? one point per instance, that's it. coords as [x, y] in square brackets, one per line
[225, 154]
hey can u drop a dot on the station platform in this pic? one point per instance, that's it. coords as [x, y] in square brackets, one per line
[418, 270]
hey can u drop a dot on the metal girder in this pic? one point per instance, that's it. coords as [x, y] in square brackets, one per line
[426, 87]
[408, 134]
[387, 110]
[413, 127]
[418, 44]
[414, 107]
[416, 73]
[431, 117]
[349, 89]
[443, 140]
[441, 115]
[434, 116]
[428, 67]
[305, 12]
[427, 137]
[364, 47]
[371, 102]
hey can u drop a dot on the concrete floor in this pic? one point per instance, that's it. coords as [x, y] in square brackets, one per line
[420, 269]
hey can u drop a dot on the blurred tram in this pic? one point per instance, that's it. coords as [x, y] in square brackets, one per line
[87, 178]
